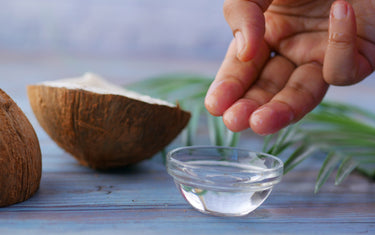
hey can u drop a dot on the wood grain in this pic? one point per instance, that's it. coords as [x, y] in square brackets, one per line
[143, 199]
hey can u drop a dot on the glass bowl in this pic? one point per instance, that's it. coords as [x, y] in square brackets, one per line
[223, 181]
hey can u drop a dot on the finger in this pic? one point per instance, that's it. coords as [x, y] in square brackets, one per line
[233, 79]
[246, 19]
[304, 91]
[236, 118]
[343, 65]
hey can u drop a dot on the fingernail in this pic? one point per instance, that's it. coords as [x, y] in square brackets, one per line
[240, 40]
[339, 10]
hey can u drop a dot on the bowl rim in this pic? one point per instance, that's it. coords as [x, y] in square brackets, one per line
[179, 170]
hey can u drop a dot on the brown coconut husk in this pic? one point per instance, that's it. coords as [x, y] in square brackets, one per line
[105, 131]
[20, 155]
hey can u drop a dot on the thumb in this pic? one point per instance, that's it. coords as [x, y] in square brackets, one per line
[343, 64]
[246, 19]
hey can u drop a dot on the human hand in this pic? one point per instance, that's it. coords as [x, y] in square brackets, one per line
[314, 45]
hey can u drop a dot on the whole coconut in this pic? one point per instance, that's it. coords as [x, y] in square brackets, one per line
[20, 155]
[103, 125]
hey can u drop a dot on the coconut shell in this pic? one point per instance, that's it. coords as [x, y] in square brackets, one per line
[20, 155]
[105, 131]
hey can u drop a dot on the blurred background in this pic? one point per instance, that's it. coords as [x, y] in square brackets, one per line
[121, 28]
[122, 40]
[119, 39]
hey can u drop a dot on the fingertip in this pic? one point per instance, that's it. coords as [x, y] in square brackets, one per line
[234, 123]
[211, 106]
[271, 118]
[339, 9]
[211, 102]
[236, 118]
[221, 95]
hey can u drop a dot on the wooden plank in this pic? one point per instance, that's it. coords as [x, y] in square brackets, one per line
[145, 199]
[176, 220]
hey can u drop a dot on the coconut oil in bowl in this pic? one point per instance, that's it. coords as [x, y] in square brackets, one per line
[224, 181]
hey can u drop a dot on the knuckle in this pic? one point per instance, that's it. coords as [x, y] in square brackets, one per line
[339, 78]
[262, 4]
[340, 40]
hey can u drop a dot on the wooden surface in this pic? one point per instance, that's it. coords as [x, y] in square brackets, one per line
[143, 199]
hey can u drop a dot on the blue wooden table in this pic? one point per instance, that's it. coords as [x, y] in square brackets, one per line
[143, 199]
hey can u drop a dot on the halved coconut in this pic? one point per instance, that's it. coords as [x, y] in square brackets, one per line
[20, 155]
[103, 125]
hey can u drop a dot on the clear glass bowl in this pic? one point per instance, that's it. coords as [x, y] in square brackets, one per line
[224, 181]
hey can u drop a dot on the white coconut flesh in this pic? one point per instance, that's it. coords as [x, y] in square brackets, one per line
[94, 83]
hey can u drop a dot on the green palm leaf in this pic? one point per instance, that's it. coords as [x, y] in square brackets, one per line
[329, 165]
[346, 167]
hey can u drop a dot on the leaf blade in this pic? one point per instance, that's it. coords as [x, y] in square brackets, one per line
[329, 165]
[345, 168]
